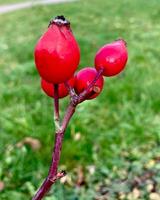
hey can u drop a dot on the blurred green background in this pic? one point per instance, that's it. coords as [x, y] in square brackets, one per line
[111, 148]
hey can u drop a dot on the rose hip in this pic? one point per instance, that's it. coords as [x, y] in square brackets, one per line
[57, 53]
[84, 77]
[112, 57]
[48, 88]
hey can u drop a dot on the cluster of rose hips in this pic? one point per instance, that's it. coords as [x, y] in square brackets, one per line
[57, 56]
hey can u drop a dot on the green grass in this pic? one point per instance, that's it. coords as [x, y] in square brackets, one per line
[120, 130]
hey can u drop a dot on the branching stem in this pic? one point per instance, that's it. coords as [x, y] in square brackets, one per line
[53, 175]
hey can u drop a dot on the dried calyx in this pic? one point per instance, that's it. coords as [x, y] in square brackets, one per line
[96, 89]
[122, 40]
[60, 21]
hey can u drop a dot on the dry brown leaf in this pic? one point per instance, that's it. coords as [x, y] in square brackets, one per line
[80, 176]
[32, 142]
[2, 186]
[143, 178]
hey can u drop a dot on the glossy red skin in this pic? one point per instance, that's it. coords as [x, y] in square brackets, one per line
[49, 90]
[57, 54]
[112, 57]
[84, 77]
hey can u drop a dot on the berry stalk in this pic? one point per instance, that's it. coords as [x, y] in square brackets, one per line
[56, 107]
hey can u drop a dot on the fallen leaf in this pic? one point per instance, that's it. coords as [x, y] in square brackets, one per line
[143, 178]
[150, 187]
[2, 185]
[122, 196]
[136, 193]
[105, 197]
[150, 163]
[77, 136]
[91, 169]
[32, 142]
[154, 196]
[80, 176]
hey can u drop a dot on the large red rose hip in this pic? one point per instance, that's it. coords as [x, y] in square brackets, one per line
[84, 77]
[112, 57]
[48, 88]
[57, 53]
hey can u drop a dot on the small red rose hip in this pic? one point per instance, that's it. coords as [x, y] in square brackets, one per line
[84, 77]
[57, 53]
[48, 88]
[112, 57]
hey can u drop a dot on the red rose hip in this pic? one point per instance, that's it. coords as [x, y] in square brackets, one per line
[48, 88]
[84, 77]
[112, 57]
[57, 53]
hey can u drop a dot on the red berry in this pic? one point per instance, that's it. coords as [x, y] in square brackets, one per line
[48, 88]
[57, 53]
[84, 77]
[112, 57]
